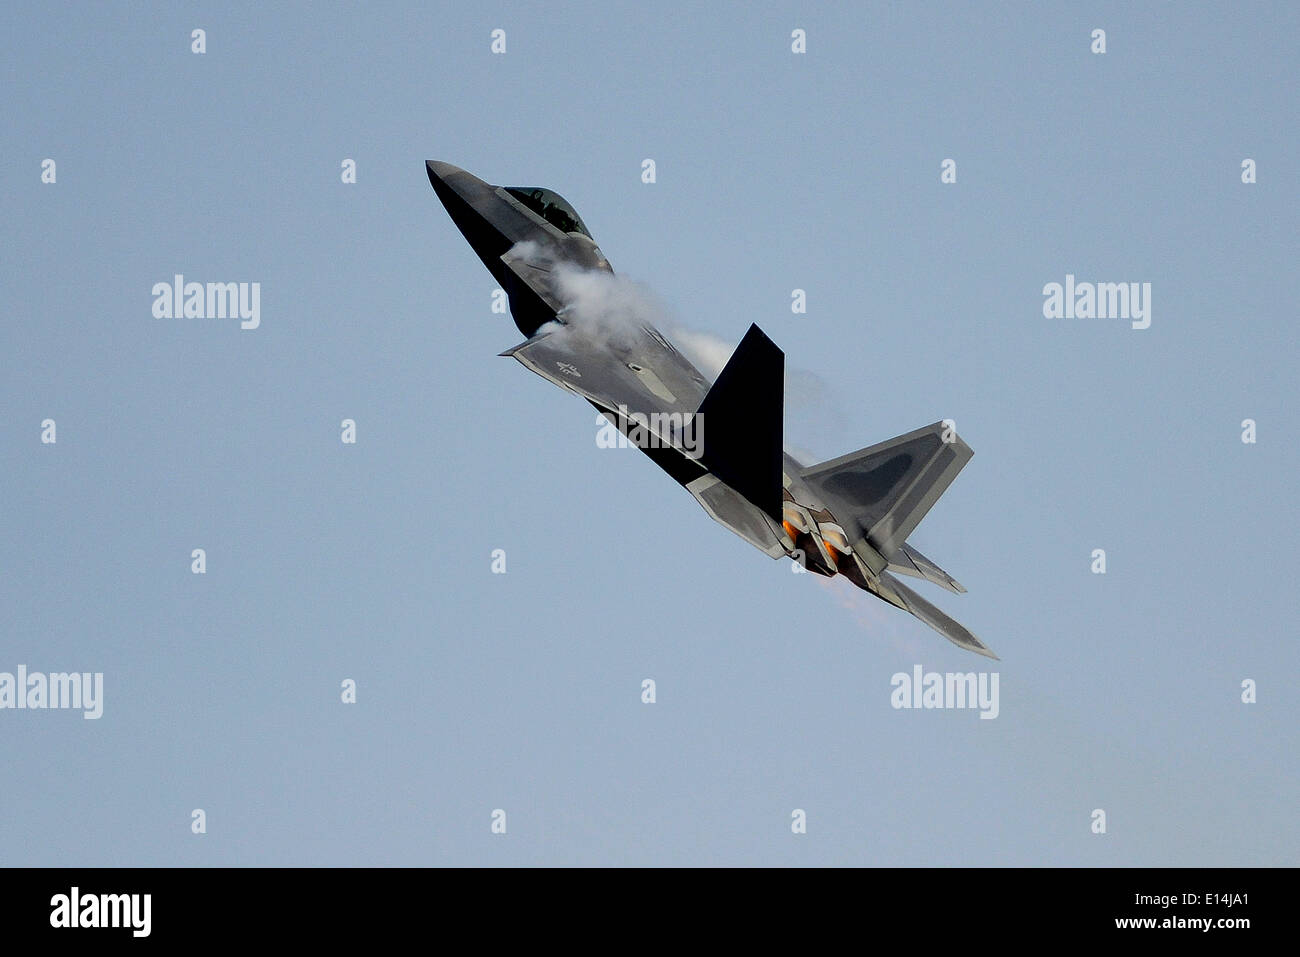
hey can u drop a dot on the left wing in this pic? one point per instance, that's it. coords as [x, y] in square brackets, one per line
[641, 373]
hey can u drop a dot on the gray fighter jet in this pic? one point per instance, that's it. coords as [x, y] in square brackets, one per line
[849, 516]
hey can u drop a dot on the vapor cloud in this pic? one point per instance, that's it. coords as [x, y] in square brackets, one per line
[615, 308]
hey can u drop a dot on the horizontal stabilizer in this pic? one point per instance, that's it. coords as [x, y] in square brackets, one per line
[908, 561]
[896, 593]
[884, 491]
[742, 422]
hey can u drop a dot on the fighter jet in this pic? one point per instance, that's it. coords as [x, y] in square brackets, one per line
[849, 516]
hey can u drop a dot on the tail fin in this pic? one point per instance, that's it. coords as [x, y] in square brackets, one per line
[741, 416]
[885, 490]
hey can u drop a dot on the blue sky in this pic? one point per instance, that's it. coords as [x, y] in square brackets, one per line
[521, 691]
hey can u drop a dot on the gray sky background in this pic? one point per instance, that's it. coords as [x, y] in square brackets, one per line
[522, 691]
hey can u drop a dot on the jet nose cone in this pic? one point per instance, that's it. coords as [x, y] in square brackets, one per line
[438, 171]
[469, 202]
[453, 184]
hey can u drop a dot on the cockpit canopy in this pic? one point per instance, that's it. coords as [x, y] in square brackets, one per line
[551, 206]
